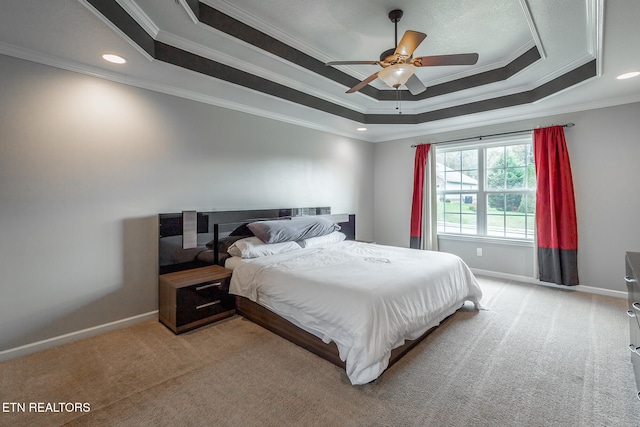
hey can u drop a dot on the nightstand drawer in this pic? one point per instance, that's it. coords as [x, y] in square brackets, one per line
[202, 300]
[202, 293]
[201, 308]
[192, 298]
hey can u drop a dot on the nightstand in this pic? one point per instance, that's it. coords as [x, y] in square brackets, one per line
[191, 298]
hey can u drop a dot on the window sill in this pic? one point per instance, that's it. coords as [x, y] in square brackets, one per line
[489, 240]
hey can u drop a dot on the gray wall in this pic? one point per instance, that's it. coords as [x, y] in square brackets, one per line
[87, 164]
[604, 147]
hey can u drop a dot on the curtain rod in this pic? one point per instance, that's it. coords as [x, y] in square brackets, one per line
[567, 125]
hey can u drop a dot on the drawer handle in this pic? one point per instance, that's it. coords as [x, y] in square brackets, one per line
[629, 279]
[208, 304]
[210, 285]
[639, 395]
[636, 306]
[631, 313]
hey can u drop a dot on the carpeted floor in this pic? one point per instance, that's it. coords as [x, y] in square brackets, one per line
[538, 357]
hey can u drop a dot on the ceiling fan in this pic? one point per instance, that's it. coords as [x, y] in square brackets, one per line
[398, 64]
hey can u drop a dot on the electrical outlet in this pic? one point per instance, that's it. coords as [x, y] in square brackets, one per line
[479, 251]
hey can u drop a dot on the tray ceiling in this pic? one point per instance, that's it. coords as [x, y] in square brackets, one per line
[536, 57]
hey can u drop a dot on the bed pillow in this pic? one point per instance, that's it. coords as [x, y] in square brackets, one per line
[253, 247]
[327, 239]
[296, 229]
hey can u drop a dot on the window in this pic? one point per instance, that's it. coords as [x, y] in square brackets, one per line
[487, 189]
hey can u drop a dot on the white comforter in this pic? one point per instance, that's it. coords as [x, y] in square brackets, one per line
[366, 298]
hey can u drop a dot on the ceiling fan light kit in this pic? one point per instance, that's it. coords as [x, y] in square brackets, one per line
[398, 64]
[396, 75]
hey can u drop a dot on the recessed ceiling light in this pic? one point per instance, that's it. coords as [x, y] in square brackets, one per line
[114, 58]
[628, 75]
[361, 129]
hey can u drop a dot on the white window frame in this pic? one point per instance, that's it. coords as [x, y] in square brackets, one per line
[482, 192]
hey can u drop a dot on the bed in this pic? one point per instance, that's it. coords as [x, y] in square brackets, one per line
[359, 305]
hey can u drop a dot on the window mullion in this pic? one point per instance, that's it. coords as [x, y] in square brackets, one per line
[481, 212]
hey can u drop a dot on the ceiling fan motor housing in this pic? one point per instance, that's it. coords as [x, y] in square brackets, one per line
[387, 55]
[395, 15]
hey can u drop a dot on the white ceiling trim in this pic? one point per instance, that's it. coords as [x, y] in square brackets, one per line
[187, 9]
[228, 8]
[117, 30]
[533, 28]
[595, 25]
[139, 16]
[63, 64]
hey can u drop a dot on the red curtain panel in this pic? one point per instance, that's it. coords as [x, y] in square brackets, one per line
[422, 152]
[556, 224]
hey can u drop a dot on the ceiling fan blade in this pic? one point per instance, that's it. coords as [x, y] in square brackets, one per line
[415, 85]
[363, 83]
[456, 59]
[352, 62]
[409, 42]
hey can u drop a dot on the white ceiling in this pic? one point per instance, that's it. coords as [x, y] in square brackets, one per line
[568, 34]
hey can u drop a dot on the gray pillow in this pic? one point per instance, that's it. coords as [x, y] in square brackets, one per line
[293, 230]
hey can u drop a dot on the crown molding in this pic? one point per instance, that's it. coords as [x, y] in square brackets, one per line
[532, 27]
[140, 17]
[116, 29]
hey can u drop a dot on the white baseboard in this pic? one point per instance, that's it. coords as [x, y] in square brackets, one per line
[525, 279]
[12, 353]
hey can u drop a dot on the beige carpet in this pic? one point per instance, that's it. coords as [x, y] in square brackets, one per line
[539, 357]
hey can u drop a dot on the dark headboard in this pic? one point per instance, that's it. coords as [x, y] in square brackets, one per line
[212, 225]
[171, 224]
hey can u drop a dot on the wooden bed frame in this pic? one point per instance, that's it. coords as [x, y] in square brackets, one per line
[280, 326]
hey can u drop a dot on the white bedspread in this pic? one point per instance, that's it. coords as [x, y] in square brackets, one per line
[366, 298]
